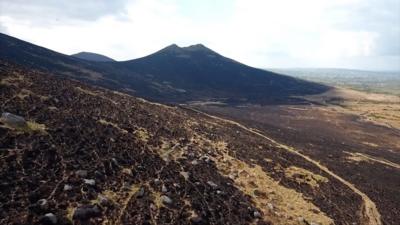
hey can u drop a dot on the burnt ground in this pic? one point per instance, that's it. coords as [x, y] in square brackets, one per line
[94, 156]
[363, 153]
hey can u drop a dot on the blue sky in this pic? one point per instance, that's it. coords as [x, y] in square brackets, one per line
[360, 34]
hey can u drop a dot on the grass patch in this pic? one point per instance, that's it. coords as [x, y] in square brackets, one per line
[304, 176]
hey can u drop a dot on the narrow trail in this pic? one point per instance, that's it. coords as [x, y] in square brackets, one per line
[370, 213]
[381, 161]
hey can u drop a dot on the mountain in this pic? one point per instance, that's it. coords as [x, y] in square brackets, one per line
[172, 75]
[198, 73]
[89, 56]
[81, 154]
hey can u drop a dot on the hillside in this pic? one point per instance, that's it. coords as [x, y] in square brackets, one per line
[172, 75]
[89, 56]
[93, 156]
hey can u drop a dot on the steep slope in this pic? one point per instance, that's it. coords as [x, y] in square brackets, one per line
[173, 74]
[89, 56]
[91, 155]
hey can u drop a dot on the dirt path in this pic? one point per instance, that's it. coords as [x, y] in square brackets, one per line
[370, 214]
[375, 159]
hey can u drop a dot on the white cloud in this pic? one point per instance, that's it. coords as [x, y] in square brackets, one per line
[264, 33]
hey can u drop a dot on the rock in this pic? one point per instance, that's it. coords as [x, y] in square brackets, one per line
[220, 192]
[49, 218]
[196, 220]
[140, 193]
[194, 162]
[164, 189]
[42, 203]
[212, 184]
[166, 200]
[314, 223]
[115, 162]
[257, 214]
[98, 174]
[270, 206]
[90, 182]
[86, 212]
[81, 173]
[67, 187]
[13, 120]
[185, 175]
[157, 181]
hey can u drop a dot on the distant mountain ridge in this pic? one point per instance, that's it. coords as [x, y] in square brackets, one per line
[90, 56]
[172, 75]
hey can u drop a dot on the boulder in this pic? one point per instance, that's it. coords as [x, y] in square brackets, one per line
[164, 189]
[81, 173]
[166, 200]
[42, 203]
[212, 184]
[13, 120]
[90, 182]
[67, 187]
[49, 218]
[86, 212]
[257, 214]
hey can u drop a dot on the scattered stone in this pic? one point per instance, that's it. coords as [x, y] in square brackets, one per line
[314, 223]
[153, 207]
[196, 220]
[166, 200]
[257, 214]
[270, 206]
[157, 181]
[49, 218]
[90, 182]
[140, 193]
[81, 173]
[67, 187]
[98, 174]
[13, 120]
[212, 184]
[164, 189]
[115, 162]
[42, 203]
[86, 212]
[194, 162]
[185, 175]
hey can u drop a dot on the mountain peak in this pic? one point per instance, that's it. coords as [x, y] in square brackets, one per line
[90, 56]
[197, 47]
[173, 48]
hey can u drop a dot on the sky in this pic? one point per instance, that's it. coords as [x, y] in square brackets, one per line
[355, 34]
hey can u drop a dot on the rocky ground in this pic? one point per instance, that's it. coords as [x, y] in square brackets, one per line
[365, 153]
[92, 156]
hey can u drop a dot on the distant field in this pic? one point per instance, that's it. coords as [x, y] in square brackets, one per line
[369, 81]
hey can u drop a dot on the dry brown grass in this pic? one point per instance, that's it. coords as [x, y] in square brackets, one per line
[304, 176]
[381, 109]
[142, 134]
[105, 122]
[280, 204]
